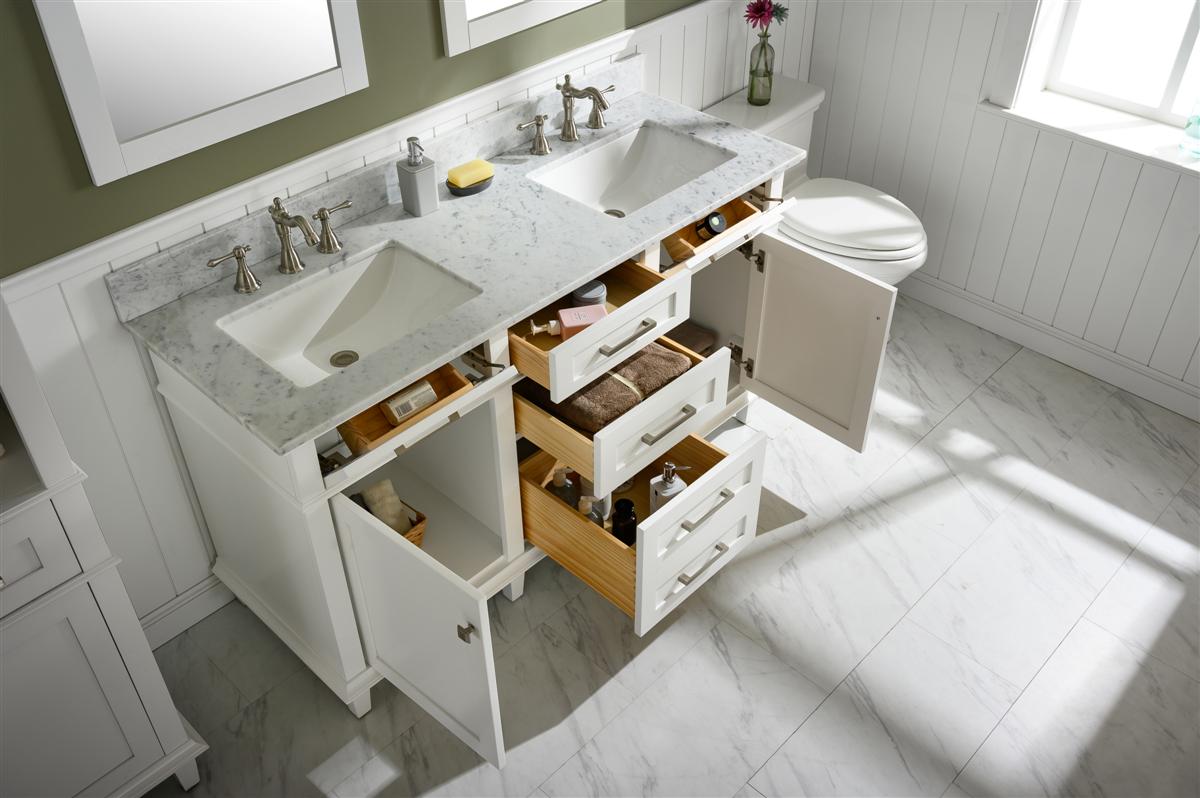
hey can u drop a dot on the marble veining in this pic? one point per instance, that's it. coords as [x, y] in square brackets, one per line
[520, 242]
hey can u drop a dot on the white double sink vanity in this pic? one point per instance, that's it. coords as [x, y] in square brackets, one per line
[256, 406]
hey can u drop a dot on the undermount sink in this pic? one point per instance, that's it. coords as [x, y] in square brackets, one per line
[332, 320]
[633, 169]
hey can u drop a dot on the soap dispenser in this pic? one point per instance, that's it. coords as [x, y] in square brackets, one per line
[418, 184]
[666, 486]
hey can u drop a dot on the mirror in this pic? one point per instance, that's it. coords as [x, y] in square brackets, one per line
[467, 24]
[150, 81]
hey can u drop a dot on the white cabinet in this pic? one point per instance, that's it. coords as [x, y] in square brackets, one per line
[35, 555]
[70, 719]
[83, 707]
[358, 602]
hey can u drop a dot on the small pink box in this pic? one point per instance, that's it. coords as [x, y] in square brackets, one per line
[574, 320]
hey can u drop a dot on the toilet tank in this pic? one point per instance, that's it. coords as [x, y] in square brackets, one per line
[788, 117]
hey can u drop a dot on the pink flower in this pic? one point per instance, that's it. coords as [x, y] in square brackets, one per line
[759, 13]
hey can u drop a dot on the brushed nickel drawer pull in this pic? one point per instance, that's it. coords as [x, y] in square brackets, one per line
[644, 327]
[455, 416]
[651, 438]
[726, 497]
[720, 548]
[464, 633]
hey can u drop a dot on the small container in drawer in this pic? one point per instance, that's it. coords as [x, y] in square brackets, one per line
[687, 404]
[741, 218]
[642, 305]
[370, 429]
[679, 547]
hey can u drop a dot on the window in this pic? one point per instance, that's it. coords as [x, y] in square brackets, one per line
[1138, 57]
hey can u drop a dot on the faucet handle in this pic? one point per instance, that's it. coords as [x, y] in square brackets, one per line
[540, 146]
[238, 252]
[245, 282]
[565, 85]
[329, 242]
[322, 214]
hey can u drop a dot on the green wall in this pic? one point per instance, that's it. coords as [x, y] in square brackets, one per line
[48, 204]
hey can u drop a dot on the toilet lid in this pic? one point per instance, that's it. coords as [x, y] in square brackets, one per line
[852, 252]
[848, 214]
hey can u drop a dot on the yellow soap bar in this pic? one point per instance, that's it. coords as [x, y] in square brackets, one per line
[470, 173]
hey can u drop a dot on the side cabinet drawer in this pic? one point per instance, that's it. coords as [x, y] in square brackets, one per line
[35, 556]
[642, 305]
[628, 444]
[679, 547]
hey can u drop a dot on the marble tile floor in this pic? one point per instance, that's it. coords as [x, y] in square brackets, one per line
[1000, 597]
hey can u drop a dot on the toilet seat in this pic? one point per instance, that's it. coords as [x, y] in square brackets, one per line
[852, 252]
[849, 218]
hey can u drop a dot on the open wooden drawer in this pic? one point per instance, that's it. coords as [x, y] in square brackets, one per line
[746, 221]
[628, 444]
[642, 305]
[394, 440]
[678, 548]
[422, 611]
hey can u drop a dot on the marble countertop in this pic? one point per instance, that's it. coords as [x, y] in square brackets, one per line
[521, 243]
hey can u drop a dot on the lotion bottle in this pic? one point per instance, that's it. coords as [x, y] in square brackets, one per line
[418, 183]
[666, 486]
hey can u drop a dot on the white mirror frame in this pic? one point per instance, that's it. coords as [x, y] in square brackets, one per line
[461, 34]
[110, 159]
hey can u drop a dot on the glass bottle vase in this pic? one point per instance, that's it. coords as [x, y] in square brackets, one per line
[762, 70]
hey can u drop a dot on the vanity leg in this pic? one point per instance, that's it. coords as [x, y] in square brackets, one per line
[361, 705]
[188, 775]
[515, 589]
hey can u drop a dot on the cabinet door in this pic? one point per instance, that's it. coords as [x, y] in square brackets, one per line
[815, 338]
[71, 721]
[425, 628]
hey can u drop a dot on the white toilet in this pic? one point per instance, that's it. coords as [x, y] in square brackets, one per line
[839, 220]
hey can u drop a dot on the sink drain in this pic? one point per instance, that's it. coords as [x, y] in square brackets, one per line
[614, 212]
[343, 358]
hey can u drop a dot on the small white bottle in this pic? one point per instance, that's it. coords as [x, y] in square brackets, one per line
[666, 486]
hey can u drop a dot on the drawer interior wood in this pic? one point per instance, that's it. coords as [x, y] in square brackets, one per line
[573, 446]
[685, 242]
[581, 546]
[531, 353]
[370, 429]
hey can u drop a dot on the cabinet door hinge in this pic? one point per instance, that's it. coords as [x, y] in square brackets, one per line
[755, 256]
[747, 364]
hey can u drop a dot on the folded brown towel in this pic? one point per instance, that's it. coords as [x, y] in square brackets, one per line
[593, 407]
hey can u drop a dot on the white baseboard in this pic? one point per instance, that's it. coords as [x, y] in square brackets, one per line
[1077, 353]
[186, 609]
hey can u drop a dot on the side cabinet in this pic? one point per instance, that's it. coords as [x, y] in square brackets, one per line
[71, 722]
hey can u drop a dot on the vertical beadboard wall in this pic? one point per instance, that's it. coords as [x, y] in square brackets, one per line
[1084, 252]
[94, 376]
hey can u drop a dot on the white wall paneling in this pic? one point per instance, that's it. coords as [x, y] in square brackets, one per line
[1088, 247]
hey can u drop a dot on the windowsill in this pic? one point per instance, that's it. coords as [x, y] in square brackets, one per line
[1134, 135]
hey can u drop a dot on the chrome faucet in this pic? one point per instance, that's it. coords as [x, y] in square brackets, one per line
[245, 282]
[289, 261]
[570, 94]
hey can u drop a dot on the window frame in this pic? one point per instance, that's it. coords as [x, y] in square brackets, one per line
[1160, 113]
